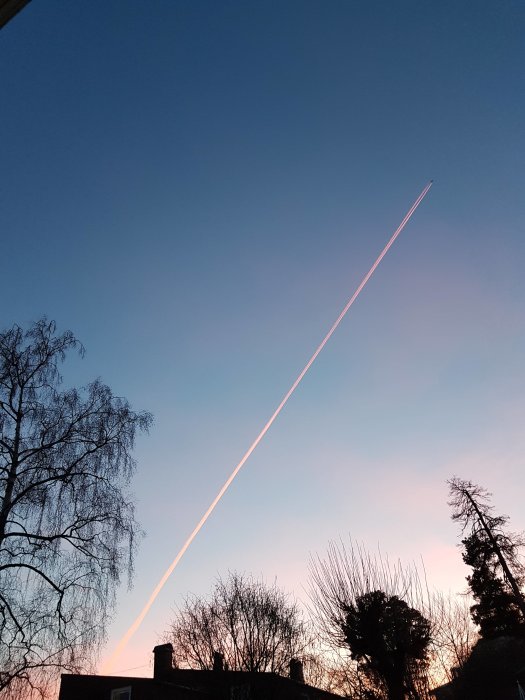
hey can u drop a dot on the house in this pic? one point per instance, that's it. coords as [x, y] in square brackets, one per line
[170, 683]
[84, 687]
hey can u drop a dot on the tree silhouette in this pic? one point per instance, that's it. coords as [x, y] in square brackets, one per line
[67, 527]
[366, 605]
[389, 639]
[453, 635]
[494, 555]
[496, 611]
[253, 626]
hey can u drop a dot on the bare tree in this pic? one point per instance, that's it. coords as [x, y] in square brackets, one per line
[67, 526]
[453, 636]
[253, 626]
[340, 674]
[368, 606]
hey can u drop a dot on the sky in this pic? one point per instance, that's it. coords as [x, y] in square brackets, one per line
[196, 188]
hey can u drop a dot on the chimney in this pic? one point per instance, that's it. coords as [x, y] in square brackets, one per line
[218, 661]
[296, 670]
[162, 660]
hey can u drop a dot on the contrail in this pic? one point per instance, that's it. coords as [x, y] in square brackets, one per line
[136, 624]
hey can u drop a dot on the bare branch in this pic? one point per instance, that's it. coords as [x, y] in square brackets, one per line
[255, 627]
[67, 526]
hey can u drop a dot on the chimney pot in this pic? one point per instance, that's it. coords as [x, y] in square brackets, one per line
[218, 661]
[296, 670]
[162, 660]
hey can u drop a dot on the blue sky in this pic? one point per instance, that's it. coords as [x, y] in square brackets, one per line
[196, 188]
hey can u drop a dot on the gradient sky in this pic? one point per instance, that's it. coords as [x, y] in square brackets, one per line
[195, 188]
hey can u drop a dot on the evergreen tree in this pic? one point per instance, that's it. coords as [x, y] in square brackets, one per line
[494, 555]
[369, 608]
[390, 640]
[496, 612]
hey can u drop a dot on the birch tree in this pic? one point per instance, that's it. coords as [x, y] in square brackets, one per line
[67, 525]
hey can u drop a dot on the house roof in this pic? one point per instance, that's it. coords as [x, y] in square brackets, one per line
[185, 684]
[87, 687]
[256, 685]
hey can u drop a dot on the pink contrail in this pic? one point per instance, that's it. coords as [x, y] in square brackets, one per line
[136, 624]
